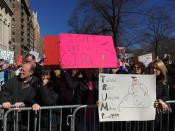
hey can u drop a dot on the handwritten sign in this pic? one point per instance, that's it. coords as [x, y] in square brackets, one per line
[146, 59]
[87, 51]
[51, 50]
[7, 55]
[126, 97]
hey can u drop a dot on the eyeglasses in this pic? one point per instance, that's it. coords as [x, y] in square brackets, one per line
[137, 67]
[155, 68]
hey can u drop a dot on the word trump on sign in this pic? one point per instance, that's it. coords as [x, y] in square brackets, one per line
[126, 97]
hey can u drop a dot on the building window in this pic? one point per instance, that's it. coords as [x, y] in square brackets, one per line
[22, 7]
[22, 20]
[22, 33]
[13, 5]
[22, 27]
[22, 52]
[13, 39]
[22, 13]
[22, 40]
[13, 33]
[13, 19]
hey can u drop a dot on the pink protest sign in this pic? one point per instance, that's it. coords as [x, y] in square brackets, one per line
[87, 51]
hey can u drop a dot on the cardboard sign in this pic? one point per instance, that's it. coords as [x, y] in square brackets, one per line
[87, 51]
[51, 50]
[126, 97]
[146, 59]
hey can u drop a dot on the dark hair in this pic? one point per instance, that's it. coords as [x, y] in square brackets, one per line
[48, 71]
[140, 64]
[28, 55]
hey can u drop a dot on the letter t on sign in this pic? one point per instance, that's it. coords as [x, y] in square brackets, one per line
[103, 77]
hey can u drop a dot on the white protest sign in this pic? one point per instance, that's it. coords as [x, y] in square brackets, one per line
[7, 55]
[146, 59]
[36, 54]
[126, 97]
[10, 56]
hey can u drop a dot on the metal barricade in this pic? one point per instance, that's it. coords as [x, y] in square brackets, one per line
[1, 117]
[49, 118]
[85, 118]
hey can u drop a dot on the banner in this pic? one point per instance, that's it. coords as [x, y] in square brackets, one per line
[87, 51]
[146, 59]
[126, 97]
[51, 50]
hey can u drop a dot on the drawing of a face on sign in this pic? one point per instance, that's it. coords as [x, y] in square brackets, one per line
[137, 96]
[135, 82]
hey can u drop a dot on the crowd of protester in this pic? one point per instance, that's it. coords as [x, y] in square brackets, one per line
[34, 85]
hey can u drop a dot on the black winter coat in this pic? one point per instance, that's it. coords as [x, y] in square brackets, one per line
[13, 92]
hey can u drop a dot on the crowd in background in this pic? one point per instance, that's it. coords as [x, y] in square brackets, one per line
[34, 85]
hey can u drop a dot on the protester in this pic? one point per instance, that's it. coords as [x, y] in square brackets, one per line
[137, 68]
[29, 58]
[69, 92]
[88, 96]
[48, 96]
[159, 69]
[20, 89]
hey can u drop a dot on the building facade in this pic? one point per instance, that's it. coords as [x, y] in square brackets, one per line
[37, 36]
[6, 13]
[22, 27]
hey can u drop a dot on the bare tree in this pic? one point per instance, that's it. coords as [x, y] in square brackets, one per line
[109, 16]
[159, 24]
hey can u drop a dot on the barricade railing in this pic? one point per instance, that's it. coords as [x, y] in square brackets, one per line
[25, 119]
[83, 118]
[165, 121]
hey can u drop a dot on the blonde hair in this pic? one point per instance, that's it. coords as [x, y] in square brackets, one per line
[161, 66]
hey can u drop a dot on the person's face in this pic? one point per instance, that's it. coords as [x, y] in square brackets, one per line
[137, 69]
[29, 60]
[155, 71]
[74, 72]
[25, 71]
[46, 76]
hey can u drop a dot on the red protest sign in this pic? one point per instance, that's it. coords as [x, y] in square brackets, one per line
[51, 50]
[19, 60]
